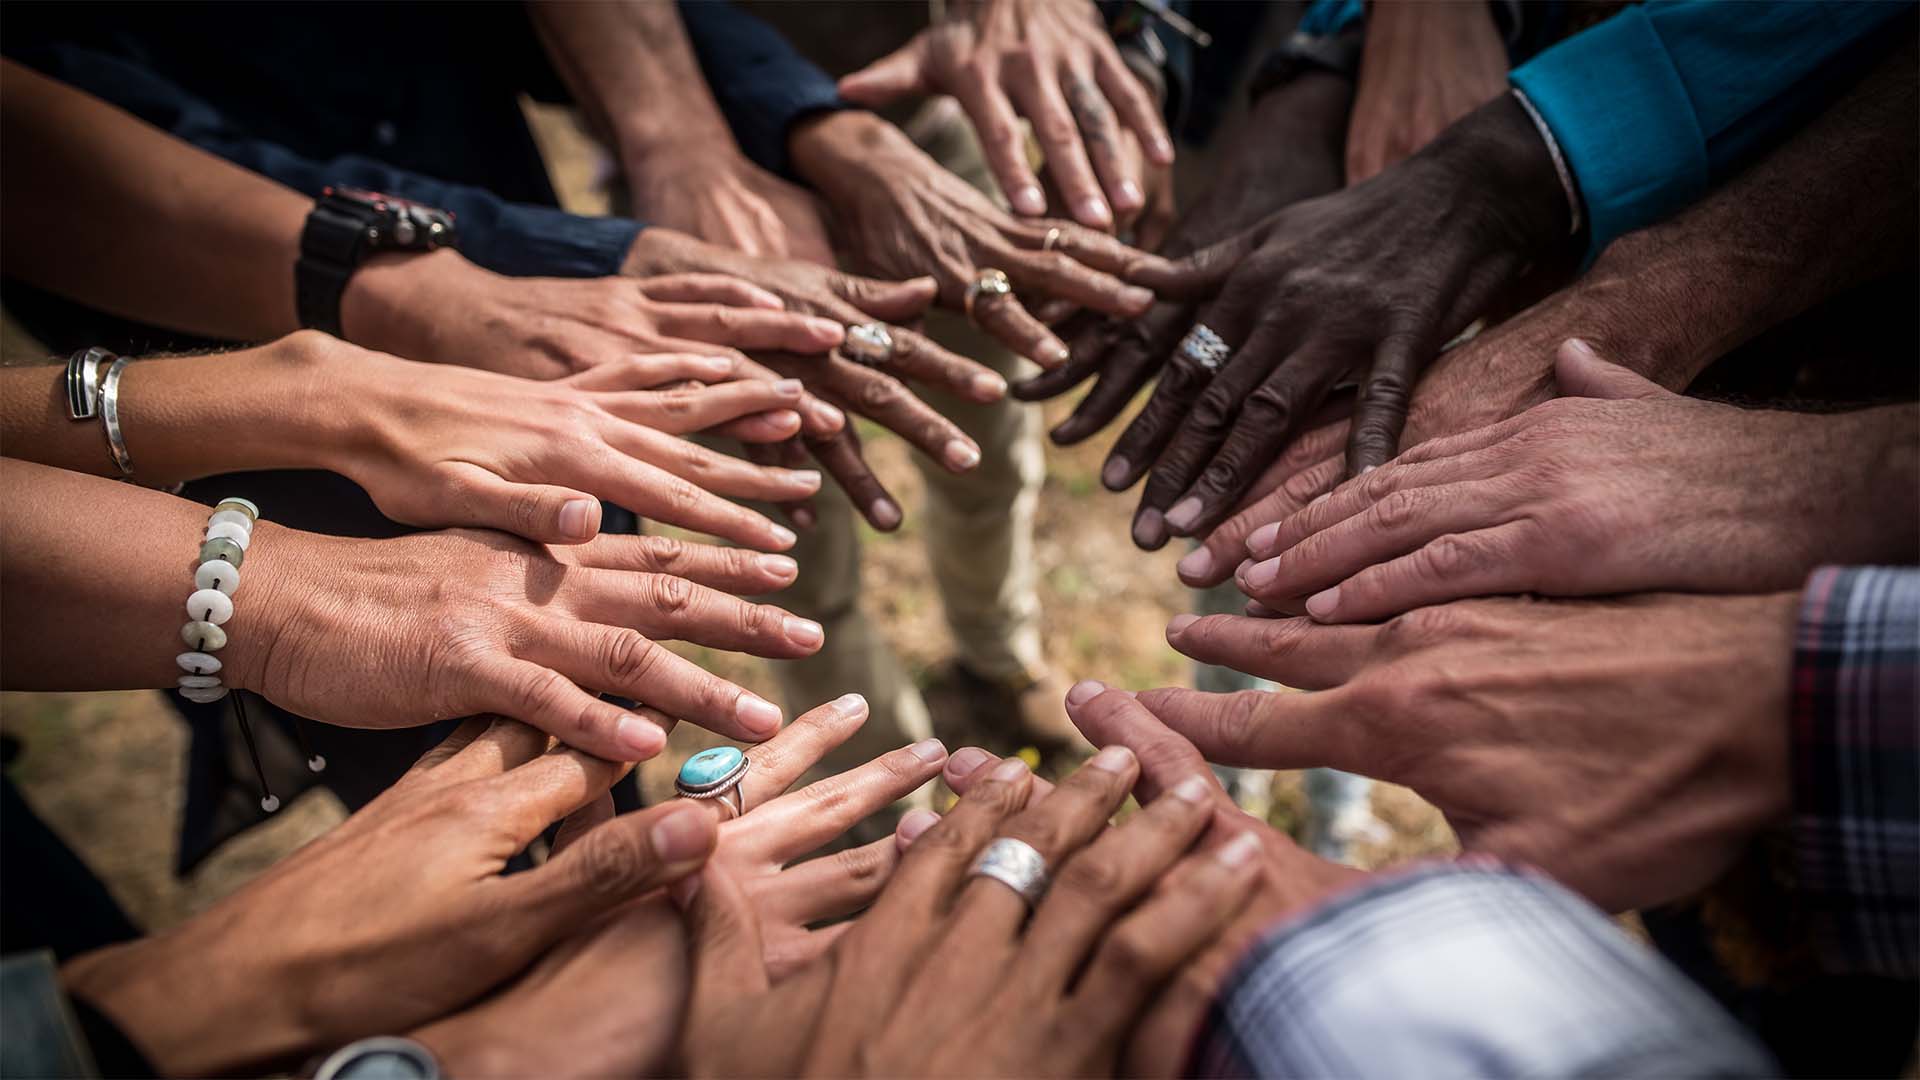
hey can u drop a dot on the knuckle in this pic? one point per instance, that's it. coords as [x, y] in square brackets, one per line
[1393, 513]
[865, 866]
[1239, 721]
[670, 594]
[1449, 556]
[614, 861]
[1133, 951]
[631, 658]
[1419, 627]
[668, 553]
[879, 393]
[1048, 833]
[1092, 874]
[1377, 485]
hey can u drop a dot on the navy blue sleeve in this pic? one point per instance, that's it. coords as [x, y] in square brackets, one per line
[762, 85]
[517, 239]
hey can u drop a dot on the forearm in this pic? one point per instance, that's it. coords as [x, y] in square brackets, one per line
[96, 575]
[1829, 209]
[116, 214]
[631, 67]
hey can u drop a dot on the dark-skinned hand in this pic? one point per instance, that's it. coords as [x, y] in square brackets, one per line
[1367, 283]
[1296, 156]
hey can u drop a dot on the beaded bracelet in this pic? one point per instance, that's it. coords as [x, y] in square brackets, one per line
[229, 531]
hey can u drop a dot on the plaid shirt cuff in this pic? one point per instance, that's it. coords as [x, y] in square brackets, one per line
[1856, 767]
[1464, 969]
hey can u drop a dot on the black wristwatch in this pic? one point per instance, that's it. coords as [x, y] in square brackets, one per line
[346, 227]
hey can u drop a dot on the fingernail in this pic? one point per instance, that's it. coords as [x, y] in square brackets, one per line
[1260, 541]
[1115, 474]
[915, 822]
[806, 478]
[576, 518]
[1058, 353]
[1179, 623]
[1238, 850]
[1136, 298]
[778, 566]
[929, 750]
[1113, 759]
[832, 415]
[1129, 196]
[1093, 211]
[1184, 513]
[1317, 499]
[1085, 690]
[781, 534]
[1028, 200]
[965, 760]
[1195, 564]
[1578, 346]
[962, 454]
[803, 517]
[827, 328]
[716, 365]
[681, 835]
[758, 714]
[989, 385]
[1193, 789]
[804, 632]
[789, 388]
[1009, 769]
[885, 514]
[1321, 604]
[1150, 530]
[638, 737]
[1160, 148]
[1261, 575]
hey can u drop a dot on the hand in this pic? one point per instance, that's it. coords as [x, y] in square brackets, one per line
[1425, 66]
[900, 214]
[1287, 880]
[1620, 487]
[609, 1000]
[395, 917]
[724, 199]
[880, 396]
[1369, 282]
[1053, 62]
[917, 984]
[1571, 735]
[436, 445]
[1296, 156]
[396, 633]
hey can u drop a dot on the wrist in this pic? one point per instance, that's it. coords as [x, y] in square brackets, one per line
[260, 644]
[405, 304]
[1497, 160]
[836, 151]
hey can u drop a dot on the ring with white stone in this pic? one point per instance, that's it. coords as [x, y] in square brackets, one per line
[1015, 864]
[714, 774]
[1052, 240]
[988, 284]
[869, 344]
[1205, 348]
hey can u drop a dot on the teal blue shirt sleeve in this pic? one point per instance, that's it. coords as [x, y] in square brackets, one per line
[1663, 100]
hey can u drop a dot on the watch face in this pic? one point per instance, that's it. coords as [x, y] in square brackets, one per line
[395, 223]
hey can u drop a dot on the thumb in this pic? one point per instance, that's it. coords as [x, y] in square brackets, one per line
[1108, 716]
[893, 76]
[893, 301]
[629, 856]
[1581, 372]
[544, 513]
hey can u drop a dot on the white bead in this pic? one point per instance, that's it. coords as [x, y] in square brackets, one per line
[204, 636]
[217, 574]
[238, 501]
[199, 682]
[270, 803]
[227, 530]
[210, 605]
[197, 663]
[236, 517]
[203, 695]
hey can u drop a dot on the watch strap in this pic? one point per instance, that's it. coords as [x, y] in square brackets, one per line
[331, 247]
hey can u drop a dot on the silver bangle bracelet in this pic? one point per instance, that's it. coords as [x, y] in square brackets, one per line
[83, 382]
[1559, 161]
[110, 418]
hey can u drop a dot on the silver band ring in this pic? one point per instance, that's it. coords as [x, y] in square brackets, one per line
[1205, 348]
[1015, 864]
[988, 284]
[1053, 239]
[869, 344]
[714, 774]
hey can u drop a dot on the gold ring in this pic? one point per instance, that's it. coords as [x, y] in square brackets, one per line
[988, 283]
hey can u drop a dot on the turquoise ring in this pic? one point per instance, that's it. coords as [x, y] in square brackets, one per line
[714, 774]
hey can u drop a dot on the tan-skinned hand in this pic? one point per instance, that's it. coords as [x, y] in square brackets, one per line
[1424, 65]
[920, 983]
[1619, 486]
[1054, 63]
[1629, 748]
[395, 917]
[610, 999]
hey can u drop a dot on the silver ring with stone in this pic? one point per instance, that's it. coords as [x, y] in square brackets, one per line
[1015, 864]
[988, 284]
[1205, 348]
[869, 344]
[1052, 240]
[714, 774]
